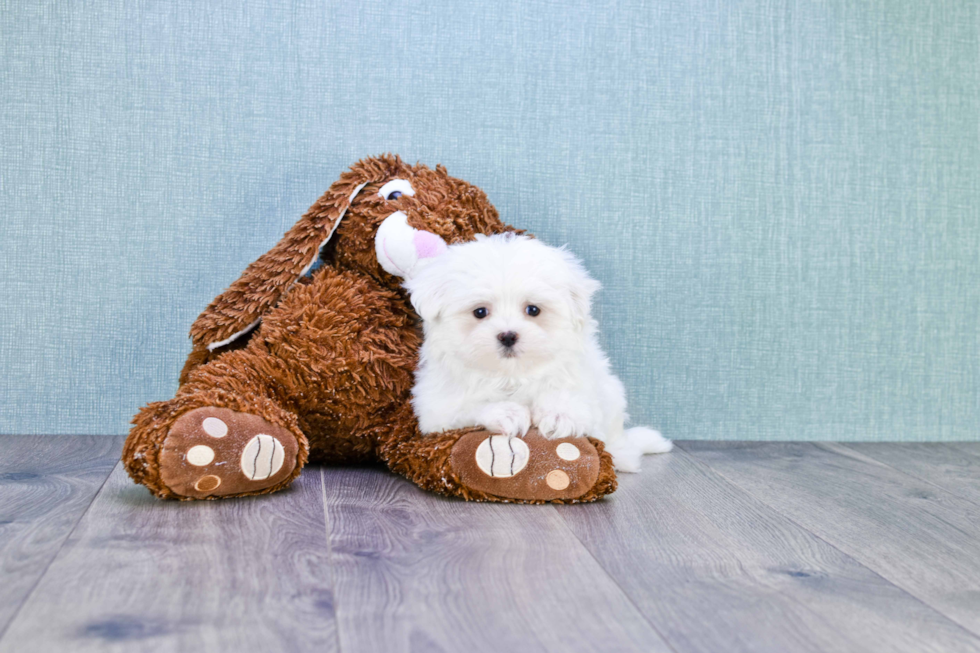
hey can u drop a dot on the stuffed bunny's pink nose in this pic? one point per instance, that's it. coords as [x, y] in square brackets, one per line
[428, 245]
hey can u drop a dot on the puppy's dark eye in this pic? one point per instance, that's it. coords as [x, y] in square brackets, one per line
[533, 310]
[480, 313]
[394, 195]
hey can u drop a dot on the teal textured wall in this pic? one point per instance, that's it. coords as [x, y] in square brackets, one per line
[780, 197]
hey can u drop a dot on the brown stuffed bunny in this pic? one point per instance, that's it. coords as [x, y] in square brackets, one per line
[294, 363]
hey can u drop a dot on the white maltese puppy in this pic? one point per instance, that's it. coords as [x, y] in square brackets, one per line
[510, 342]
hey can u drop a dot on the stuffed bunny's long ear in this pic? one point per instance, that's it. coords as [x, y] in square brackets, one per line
[239, 310]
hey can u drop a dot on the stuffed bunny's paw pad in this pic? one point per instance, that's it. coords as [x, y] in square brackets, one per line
[211, 452]
[532, 468]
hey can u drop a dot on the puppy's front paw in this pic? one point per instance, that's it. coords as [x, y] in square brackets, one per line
[559, 425]
[507, 418]
[561, 419]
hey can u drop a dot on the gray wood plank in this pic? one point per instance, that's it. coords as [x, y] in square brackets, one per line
[46, 483]
[918, 536]
[953, 466]
[416, 572]
[716, 570]
[142, 574]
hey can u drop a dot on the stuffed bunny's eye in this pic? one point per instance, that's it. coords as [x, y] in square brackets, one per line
[395, 189]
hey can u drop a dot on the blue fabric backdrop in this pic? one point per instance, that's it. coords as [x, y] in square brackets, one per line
[780, 197]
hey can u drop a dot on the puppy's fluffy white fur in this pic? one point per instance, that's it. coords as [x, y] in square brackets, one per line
[555, 375]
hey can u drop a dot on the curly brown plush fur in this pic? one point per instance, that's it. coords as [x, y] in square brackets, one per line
[329, 356]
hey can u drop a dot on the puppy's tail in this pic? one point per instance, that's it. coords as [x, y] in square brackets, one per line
[628, 449]
[648, 440]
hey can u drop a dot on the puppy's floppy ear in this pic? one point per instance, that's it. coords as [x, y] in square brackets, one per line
[429, 289]
[238, 310]
[581, 288]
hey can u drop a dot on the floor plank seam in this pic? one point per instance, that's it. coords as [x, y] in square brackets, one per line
[844, 553]
[47, 567]
[909, 474]
[330, 557]
[614, 581]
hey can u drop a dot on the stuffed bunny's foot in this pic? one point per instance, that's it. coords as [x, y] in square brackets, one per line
[214, 452]
[532, 468]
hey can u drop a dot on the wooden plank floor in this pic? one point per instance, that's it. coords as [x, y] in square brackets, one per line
[46, 484]
[715, 547]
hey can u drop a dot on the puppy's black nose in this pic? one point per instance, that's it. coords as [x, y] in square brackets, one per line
[507, 339]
